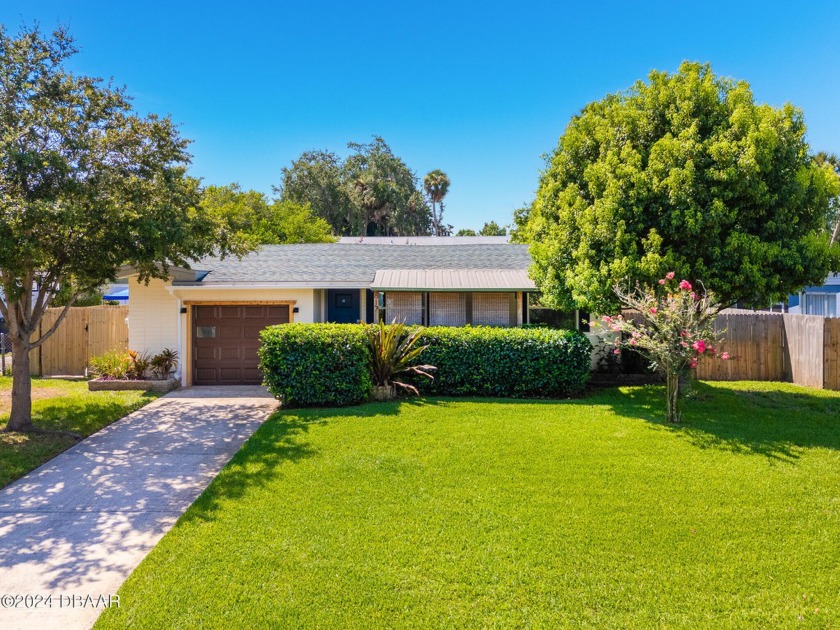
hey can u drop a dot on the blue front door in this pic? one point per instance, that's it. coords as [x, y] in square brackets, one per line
[343, 306]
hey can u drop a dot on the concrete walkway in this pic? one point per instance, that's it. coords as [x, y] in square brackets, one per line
[77, 526]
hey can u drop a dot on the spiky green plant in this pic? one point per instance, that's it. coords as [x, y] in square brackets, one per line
[393, 352]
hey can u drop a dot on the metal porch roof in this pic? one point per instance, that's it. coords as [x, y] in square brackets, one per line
[452, 280]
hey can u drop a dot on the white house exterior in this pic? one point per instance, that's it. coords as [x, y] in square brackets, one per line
[213, 314]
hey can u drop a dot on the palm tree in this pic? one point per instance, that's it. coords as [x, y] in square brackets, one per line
[436, 183]
[832, 160]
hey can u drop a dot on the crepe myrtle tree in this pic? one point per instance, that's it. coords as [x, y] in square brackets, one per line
[86, 187]
[672, 326]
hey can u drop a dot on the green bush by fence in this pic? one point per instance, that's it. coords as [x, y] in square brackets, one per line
[321, 365]
[506, 362]
[328, 364]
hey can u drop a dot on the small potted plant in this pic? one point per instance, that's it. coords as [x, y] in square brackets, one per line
[392, 353]
[164, 364]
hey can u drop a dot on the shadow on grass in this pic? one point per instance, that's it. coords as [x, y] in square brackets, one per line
[773, 420]
[281, 440]
[765, 420]
[82, 415]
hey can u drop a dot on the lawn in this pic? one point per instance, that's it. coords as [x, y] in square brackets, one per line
[58, 404]
[459, 513]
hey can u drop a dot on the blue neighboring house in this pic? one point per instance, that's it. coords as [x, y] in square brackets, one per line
[116, 292]
[819, 300]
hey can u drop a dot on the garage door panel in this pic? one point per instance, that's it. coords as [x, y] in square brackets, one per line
[230, 353]
[205, 352]
[255, 312]
[252, 332]
[280, 314]
[230, 330]
[252, 374]
[205, 374]
[234, 312]
[230, 356]
[202, 312]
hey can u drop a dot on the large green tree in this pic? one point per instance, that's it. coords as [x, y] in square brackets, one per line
[371, 192]
[385, 191]
[683, 172]
[86, 186]
[261, 221]
[317, 178]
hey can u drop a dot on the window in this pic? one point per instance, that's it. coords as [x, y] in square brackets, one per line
[447, 309]
[491, 309]
[403, 306]
[205, 332]
[820, 304]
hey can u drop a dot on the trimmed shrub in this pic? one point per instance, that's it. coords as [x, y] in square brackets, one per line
[306, 365]
[505, 362]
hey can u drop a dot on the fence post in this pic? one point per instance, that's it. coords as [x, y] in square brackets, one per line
[2, 354]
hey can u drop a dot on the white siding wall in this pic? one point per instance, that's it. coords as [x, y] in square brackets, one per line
[154, 311]
[152, 317]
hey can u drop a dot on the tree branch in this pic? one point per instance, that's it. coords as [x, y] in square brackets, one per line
[44, 290]
[37, 343]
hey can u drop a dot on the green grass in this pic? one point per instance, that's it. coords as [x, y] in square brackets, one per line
[444, 513]
[58, 404]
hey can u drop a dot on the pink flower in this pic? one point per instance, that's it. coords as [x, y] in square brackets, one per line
[607, 319]
[683, 344]
[632, 342]
[724, 356]
[685, 285]
[653, 310]
[616, 351]
[662, 281]
[692, 364]
[670, 275]
[694, 295]
[615, 328]
[699, 345]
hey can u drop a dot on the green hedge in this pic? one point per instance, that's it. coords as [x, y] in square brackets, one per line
[323, 365]
[505, 362]
[327, 364]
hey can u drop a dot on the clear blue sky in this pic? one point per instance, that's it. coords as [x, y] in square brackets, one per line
[481, 90]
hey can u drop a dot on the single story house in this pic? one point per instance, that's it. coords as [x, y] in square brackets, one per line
[213, 314]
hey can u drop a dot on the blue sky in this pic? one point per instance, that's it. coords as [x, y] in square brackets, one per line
[481, 90]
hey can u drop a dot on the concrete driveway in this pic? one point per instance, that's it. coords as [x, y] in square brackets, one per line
[76, 527]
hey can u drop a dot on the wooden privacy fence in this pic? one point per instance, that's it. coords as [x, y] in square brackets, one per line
[801, 349]
[85, 332]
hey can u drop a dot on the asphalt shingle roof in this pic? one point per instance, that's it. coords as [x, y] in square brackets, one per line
[352, 263]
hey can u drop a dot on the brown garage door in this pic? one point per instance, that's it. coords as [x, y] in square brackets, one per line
[225, 342]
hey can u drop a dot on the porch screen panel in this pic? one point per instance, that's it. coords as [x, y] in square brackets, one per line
[404, 306]
[491, 309]
[447, 309]
[824, 304]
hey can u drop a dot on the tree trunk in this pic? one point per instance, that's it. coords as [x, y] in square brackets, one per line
[672, 391]
[21, 416]
[686, 383]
